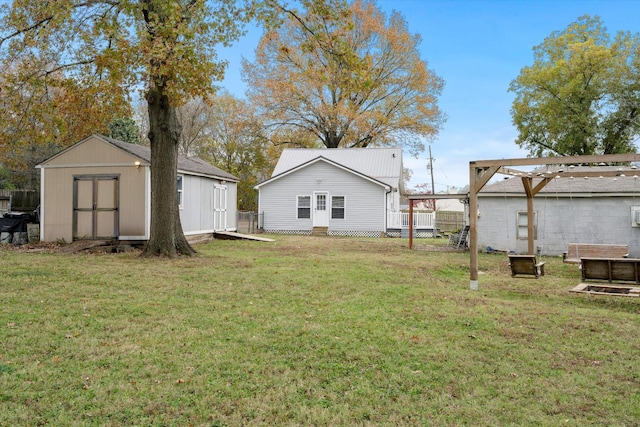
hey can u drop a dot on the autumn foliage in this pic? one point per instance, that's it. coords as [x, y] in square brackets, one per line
[581, 95]
[44, 112]
[345, 76]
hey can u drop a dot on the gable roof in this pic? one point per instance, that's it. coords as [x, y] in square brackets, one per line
[188, 165]
[322, 159]
[627, 182]
[381, 164]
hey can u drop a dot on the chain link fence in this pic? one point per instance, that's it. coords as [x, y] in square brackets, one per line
[249, 222]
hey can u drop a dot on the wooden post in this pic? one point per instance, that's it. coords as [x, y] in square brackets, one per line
[410, 224]
[530, 222]
[478, 177]
[527, 182]
[473, 228]
[531, 191]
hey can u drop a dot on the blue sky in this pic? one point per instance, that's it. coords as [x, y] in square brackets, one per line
[478, 47]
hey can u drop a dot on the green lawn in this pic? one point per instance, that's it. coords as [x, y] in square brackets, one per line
[309, 331]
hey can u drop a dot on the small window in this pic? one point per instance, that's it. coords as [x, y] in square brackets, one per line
[304, 207]
[635, 216]
[337, 207]
[523, 227]
[179, 185]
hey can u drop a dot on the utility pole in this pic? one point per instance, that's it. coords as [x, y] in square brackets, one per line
[433, 191]
[433, 188]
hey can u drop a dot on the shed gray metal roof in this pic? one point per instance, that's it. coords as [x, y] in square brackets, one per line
[194, 165]
[187, 164]
[382, 164]
[627, 182]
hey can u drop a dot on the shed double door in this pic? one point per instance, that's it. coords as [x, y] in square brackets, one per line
[95, 207]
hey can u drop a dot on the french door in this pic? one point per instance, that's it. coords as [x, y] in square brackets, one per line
[95, 207]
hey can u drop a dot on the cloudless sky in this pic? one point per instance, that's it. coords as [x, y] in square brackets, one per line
[478, 47]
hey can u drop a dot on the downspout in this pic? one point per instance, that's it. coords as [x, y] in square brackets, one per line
[386, 209]
[410, 223]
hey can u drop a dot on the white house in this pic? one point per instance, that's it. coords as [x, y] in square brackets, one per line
[352, 192]
[454, 204]
[100, 188]
[567, 210]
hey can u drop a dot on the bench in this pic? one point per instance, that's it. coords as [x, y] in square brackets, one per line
[614, 276]
[611, 269]
[526, 264]
[575, 251]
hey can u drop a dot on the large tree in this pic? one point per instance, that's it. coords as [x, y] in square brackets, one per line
[167, 47]
[581, 96]
[347, 75]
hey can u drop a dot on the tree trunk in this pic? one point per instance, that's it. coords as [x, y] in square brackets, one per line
[166, 237]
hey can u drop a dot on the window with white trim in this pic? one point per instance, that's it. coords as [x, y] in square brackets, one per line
[179, 182]
[337, 207]
[304, 207]
[523, 226]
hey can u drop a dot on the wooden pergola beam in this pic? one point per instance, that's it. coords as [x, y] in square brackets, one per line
[481, 171]
[566, 160]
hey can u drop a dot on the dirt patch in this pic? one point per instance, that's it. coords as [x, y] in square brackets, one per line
[437, 248]
[34, 247]
[78, 246]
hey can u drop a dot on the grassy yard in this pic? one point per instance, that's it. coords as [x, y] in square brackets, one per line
[309, 331]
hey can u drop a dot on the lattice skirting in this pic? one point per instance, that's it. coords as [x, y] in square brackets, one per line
[296, 232]
[392, 233]
[356, 233]
[420, 234]
[330, 233]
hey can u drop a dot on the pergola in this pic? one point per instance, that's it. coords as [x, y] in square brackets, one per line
[481, 171]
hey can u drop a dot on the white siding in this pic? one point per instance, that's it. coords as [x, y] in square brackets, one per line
[393, 200]
[364, 199]
[197, 212]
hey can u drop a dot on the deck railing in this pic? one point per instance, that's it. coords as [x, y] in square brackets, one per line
[421, 220]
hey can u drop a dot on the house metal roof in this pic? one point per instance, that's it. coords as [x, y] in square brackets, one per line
[627, 182]
[322, 159]
[381, 164]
